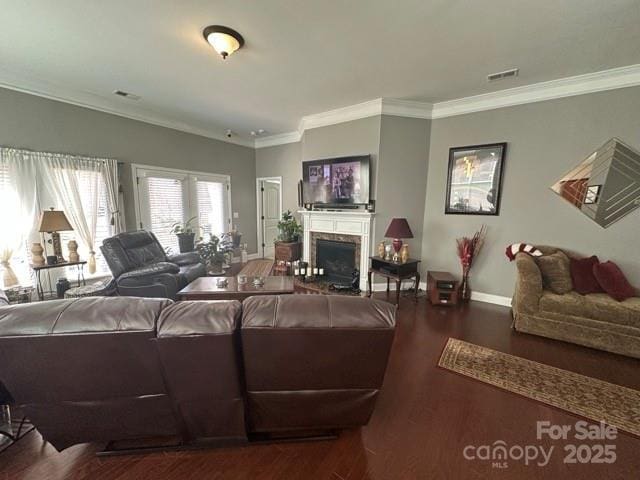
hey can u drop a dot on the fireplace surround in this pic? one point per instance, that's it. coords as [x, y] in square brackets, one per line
[354, 226]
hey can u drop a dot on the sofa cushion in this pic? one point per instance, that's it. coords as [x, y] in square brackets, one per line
[595, 306]
[556, 274]
[584, 281]
[613, 281]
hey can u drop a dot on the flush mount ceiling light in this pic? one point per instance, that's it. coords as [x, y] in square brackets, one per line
[224, 40]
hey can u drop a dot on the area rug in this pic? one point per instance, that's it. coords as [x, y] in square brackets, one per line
[257, 268]
[578, 394]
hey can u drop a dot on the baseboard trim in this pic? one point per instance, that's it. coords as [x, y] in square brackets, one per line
[490, 298]
[251, 256]
[475, 296]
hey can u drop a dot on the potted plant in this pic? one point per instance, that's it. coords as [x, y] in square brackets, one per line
[185, 231]
[213, 254]
[289, 228]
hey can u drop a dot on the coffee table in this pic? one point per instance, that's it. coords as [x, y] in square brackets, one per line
[206, 288]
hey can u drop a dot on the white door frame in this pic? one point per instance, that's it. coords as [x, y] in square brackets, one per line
[259, 209]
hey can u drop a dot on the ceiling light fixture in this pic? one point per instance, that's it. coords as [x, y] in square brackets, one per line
[224, 40]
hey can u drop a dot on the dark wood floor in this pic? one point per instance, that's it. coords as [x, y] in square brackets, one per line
[424, 418]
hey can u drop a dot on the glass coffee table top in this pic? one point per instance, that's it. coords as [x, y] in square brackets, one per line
[208, 287]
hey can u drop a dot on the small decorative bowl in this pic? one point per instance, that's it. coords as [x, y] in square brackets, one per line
[258, 282]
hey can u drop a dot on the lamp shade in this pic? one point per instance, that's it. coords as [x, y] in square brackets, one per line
[54, 221]
[399, 228]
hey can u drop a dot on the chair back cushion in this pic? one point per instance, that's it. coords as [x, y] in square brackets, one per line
[314, 361]
[142, 248]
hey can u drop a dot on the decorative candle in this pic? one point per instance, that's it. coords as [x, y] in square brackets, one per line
[296, 271]
[303, 271]
[321, 271]
[315, 270]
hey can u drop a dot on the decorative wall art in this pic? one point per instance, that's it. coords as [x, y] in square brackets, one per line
[474, 181]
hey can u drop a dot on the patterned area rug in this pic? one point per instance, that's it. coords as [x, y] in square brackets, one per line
[257, 268]
[585, 396]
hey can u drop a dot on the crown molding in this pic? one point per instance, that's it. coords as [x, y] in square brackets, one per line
[615, 78]
[537, 92]
[341, 115]
[406, 108]
[90, 101]
[278, 139]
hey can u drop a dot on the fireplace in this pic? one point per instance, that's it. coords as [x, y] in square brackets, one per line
[338, 260]
[353, 226]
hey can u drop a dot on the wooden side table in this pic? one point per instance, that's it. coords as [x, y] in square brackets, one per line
[286, 252]
[394, 271]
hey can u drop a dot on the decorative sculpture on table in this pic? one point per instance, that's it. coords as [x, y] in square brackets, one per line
[73, 251]
[37, 259]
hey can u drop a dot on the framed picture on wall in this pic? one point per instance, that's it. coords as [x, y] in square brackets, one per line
[474, 182]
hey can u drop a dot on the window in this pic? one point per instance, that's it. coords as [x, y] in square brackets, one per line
[211, 200]
[166, 197]
[10, 201]
[93, 193]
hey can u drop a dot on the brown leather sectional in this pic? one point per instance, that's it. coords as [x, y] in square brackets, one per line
[111, 369]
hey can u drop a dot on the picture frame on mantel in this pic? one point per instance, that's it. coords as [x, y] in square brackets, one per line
[474, 179]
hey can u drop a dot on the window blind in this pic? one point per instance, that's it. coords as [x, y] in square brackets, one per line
[166, 207]
[211, 198]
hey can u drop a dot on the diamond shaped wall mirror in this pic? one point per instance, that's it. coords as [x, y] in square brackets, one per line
[605, 186]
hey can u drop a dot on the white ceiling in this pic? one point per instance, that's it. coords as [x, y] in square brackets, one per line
[300, 57]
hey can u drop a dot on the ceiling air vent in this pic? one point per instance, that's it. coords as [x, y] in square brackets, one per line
[130, 96]
[500, 75]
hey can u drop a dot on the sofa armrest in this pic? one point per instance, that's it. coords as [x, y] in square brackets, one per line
[526, 298]
[188, 258]
[151, 270]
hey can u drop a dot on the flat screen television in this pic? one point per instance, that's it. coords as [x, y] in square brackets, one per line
[337, 181]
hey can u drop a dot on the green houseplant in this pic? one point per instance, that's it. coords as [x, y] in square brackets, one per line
[213, 254]
[185, 231]
[289, 228]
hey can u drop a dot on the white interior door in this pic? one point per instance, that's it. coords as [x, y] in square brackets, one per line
[271, 211]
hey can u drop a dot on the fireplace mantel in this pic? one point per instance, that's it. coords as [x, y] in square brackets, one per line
[358, 223]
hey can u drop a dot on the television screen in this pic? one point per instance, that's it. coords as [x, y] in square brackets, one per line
[337, 180]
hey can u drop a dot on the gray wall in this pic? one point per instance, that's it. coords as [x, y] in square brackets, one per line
[545, 140]
[36, 123]
[282, 161]
[402, 176]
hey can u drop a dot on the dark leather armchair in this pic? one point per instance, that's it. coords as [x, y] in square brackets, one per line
[141, 268]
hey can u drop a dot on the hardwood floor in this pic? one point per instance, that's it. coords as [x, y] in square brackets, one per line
[424, 418]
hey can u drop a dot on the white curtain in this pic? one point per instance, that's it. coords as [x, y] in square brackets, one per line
[18, 206]
[75, 183]
[110, 173]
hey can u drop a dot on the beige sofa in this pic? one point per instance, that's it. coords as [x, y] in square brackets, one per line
[595, 320]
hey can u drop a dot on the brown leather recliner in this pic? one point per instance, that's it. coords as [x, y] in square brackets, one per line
[122, 368]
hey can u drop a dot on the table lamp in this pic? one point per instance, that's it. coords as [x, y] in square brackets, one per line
[398, 229]
[54, 221]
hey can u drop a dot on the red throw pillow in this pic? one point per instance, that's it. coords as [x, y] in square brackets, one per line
[613, 281]
[584, 281]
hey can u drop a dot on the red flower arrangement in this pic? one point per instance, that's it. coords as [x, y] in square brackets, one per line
[468, 249]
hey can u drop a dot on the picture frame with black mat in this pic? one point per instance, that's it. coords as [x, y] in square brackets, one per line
[474, 179]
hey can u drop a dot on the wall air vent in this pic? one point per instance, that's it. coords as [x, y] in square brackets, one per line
[130, 96]
[500, 75]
